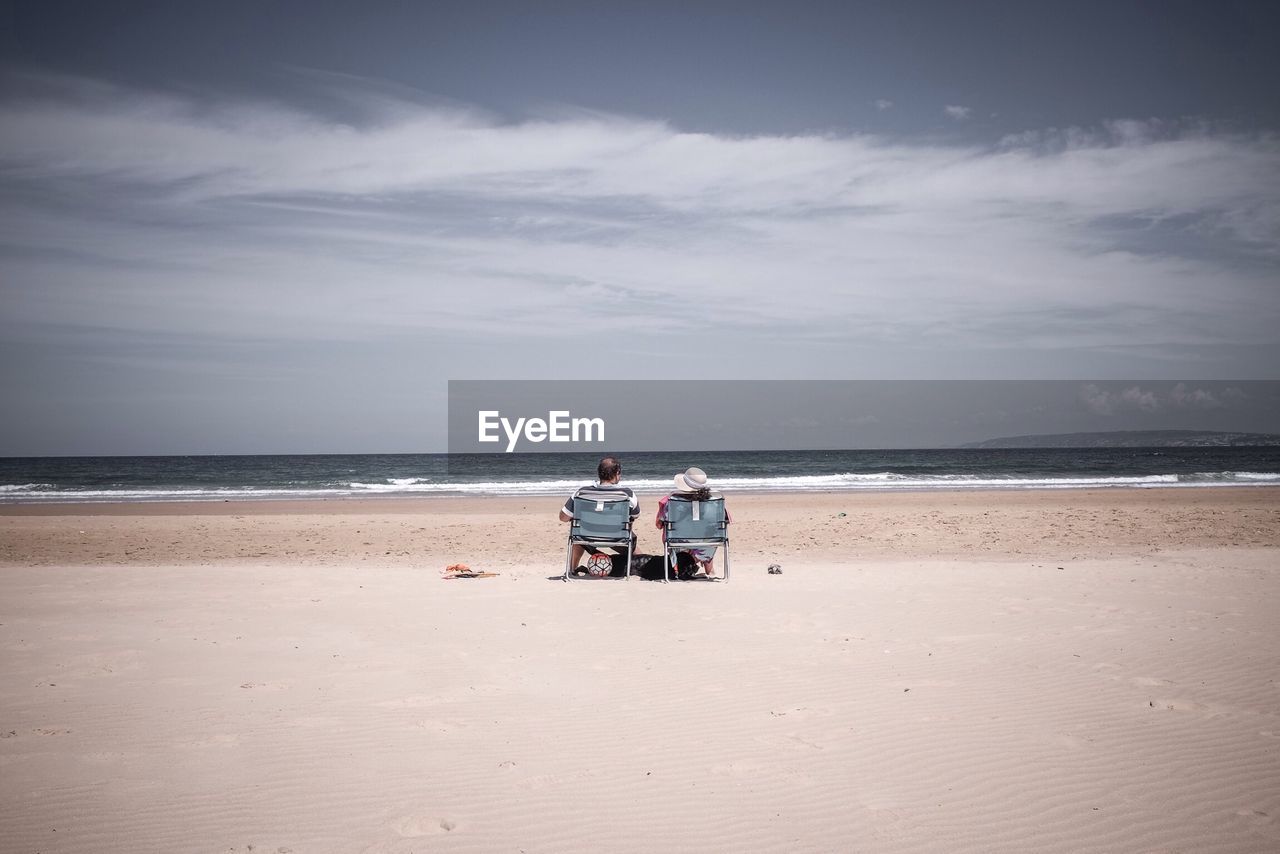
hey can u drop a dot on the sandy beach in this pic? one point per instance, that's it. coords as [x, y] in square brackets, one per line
[934, 671]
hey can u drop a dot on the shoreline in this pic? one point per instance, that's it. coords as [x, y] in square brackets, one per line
[524, 532]
[408, 503]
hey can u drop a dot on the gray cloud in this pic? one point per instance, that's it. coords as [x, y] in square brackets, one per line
[1185, 397]
[132, 214]
[1137, 399]
[1103, 402]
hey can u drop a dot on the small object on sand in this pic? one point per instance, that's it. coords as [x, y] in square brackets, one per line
[774, 569]
[461, 570]
[841, 515]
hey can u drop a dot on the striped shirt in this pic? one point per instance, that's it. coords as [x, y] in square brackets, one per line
[604, 491]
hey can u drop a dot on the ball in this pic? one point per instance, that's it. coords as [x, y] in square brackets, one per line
[599, 566]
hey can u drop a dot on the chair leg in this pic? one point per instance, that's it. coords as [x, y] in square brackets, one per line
[568, 559]
[726, 561]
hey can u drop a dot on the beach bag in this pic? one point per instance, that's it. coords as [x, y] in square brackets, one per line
[686, 566]
[651, 567]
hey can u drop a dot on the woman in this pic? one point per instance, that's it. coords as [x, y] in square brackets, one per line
[691, 485]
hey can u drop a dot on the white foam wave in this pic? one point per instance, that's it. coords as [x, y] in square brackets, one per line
[872, 481]
[406, 481]
[890, 480]
[169, 494]
[391, 484]
[426, 486]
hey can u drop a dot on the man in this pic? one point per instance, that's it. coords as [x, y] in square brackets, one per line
[608, 473]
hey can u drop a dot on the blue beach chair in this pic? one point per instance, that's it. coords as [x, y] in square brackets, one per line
[691, 524]
[600, 519]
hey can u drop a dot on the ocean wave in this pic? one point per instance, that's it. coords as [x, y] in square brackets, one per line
[426, 486]
[848, 481]
[18, 488]
[76, 494]
[390, 484]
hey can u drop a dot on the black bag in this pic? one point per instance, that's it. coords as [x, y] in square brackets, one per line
[651, 567]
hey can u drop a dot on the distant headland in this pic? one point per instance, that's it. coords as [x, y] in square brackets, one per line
[1133, 439]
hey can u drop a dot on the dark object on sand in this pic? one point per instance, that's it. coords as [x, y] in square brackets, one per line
[774, 569]
[652, 567]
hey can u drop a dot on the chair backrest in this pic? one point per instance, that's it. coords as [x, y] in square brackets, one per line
[690, 519]
[601, 517]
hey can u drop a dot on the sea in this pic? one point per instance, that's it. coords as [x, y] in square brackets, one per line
[266, 477]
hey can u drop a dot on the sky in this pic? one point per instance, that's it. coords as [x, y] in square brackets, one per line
[284, 227]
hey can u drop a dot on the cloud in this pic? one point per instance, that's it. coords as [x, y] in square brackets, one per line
[953, 111]
[1184, 397]
[883, 104]
[135, 212]
[1181, 396]
[1104, 402]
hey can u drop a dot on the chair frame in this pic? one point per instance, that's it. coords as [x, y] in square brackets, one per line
[626, 539]
[673, 544]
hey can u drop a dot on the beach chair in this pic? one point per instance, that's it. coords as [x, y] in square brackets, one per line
[600, 519]
[694, 524]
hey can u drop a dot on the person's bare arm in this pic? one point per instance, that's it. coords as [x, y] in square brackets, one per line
[565, 517]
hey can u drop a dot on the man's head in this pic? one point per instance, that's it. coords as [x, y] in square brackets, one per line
[609, 470]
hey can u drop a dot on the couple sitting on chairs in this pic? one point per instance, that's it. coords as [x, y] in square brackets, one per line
[693, 520]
